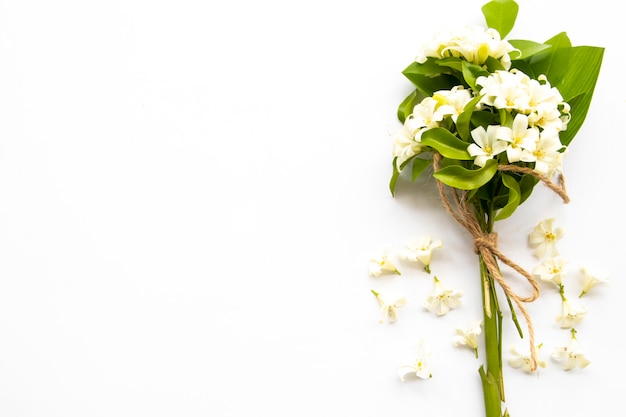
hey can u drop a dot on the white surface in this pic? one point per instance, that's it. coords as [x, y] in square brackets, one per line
[190, 192]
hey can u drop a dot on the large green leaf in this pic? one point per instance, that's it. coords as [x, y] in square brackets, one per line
[446, 143]
[553, 62]
[467, 179]
[514, 197]
[500, 15]
[578, 84]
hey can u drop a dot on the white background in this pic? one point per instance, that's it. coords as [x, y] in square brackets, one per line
[190, 192]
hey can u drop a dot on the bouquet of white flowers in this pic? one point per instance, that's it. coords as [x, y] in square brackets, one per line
[493, 118]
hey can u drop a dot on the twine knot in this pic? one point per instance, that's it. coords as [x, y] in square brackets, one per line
[487, 241]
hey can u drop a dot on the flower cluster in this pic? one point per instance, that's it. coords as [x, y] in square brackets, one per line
[534, 114]
[472, 43]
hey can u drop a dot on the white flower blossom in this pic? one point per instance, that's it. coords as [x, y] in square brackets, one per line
[468, 337]
[521, 139]
[590, 281]
[405, 144]
[548, 153]
[571, 356]
[544, 237]
[421, 250]
[382, 262]
[389, 309]
[419, 366]
[570, 314]
[442, 299]
[552, 270]
[452, 102]
[471, 43]
[486, 144]
[523, 361]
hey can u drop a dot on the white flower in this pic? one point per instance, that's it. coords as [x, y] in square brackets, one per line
[487, 145]
[405, 144]
[547, 152]
[552, 270]
[387, 309]
[421, 250]
[590, 281]
[468, 337]
[418, 366]
[442, 299]
[521, 139]
[544, 237]
[382, 262]
[570, 314]
[571, 356]
[425, 113]
[506, 90]
[524, 361]
[452, 102]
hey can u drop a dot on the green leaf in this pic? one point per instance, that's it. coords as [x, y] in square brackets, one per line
[406, 107]
[427, 85]
[463, 121]
[419, 165]
[500, 15]
[514, 197]
[467, 179]
[394, 178]
[429, 67]
[578, 84]
[445, 143]
[471, 72]
[528, 48]
[554, 61]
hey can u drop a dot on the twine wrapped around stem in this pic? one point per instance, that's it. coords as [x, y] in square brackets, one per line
[486, 244]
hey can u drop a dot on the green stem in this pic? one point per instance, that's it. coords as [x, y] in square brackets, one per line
[491, 375]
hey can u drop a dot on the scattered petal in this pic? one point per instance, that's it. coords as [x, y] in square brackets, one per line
[544, 237]
[590, 281]
[421, 250]
[442, 299]
[382, 262]
[419, 366]
[523, 361]
[571, 356]
[389, 310]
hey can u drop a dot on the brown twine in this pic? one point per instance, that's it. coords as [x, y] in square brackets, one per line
[485, 244]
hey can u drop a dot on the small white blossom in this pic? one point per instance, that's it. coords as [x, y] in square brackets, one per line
[552, 270]
[570, 314]
[487, 145]
[442, 299]
[521, 139]
[421, 250]
[523, 361]
[590, 281]
[468, 337]
[452, 102]
[382, 262]
[548, 153]
[389, 310]
[571, 356]
[419, 366]
[544, 237]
